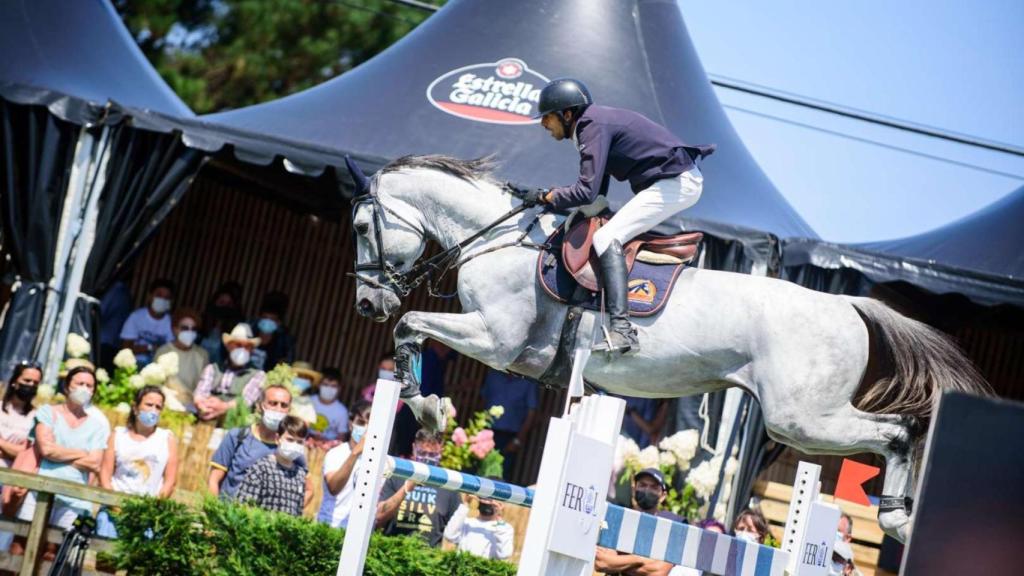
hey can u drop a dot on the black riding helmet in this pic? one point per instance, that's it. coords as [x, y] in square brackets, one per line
[562, 94]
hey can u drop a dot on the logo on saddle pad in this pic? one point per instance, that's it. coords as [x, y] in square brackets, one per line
[502, 92]
[641, 290]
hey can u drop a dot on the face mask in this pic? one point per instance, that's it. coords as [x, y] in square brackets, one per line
[272, 419]
[486, 509]
[646, 499]
[328, 393]
[160, 305]
[187, 337]
[358, 432]
[748, 536]
[290, 450]
[148, 418]
[266, 326]
[25, 393]
[240, 356]
[431, 458]
[301, 384]
[383, 374]
[836, 569]
[81, 396]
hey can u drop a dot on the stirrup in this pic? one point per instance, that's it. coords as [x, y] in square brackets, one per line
[607, 346]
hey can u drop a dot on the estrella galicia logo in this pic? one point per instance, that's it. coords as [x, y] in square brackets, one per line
[502, 92]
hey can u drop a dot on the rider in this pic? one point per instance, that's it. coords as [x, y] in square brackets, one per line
[660, 168]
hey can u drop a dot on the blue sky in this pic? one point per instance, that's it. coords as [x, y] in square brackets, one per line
[956, 66]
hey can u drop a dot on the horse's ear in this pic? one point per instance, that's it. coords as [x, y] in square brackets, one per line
[361, 181]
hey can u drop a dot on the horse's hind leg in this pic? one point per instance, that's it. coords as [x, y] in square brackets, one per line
[464, 333]
[851, 431]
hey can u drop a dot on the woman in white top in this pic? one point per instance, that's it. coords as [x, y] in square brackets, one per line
[141, 459]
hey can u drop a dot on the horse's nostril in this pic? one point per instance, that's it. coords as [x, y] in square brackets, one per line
[365, 307]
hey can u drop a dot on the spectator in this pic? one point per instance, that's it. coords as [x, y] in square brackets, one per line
[277, 482]
[649, 492]
[842, 560]
[242, 447]
[115, 307]
[405, 421]
[339, 464]
[487, 535]
[16, 418]
[69, 439]
[16, 413]
[140, 459]
[750, 525]
[331, 415]
[712, 525]
[306, 378]
[518, 397]
[191, 357]
[408, 508]
[220, 387]
[385, 371]
[276, 344]
[645, 419]
[844, 531]
[149, 327]
[223, 312]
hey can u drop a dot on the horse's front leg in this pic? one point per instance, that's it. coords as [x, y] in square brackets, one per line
[464, 333]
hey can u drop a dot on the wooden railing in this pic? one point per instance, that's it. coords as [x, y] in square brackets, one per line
[38, 532]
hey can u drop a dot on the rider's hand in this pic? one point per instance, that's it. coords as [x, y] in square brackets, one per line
[531, 196]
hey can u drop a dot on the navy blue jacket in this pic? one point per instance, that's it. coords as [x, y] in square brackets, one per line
[628, 146]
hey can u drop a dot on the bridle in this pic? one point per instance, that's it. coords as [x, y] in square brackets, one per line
[433, 269]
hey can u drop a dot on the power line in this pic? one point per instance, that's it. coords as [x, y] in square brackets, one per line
[839, 110]
[874, 142]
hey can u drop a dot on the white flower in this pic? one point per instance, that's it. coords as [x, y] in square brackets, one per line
[626, 452]
[123, 408]
[136, 381]
[101, 376]
[666, 460]
[720, 512]
[171, 401]
[704, 477]
[303, 408]
[683, 445]
[153, 374]
[730, 467]
[77, 347]
[125, 359]
[726, 492]
[44, 393]
[169, 362]
[497, 411]
[649, 457]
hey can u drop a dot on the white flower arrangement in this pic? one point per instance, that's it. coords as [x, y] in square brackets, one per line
[169, 362]
[626, 452]
[683, 445]
[125, 359]
[649, 457]
[136, 381]
[303, 408]
[77, 346]
[704, 478]
[101, 376]
[171, 401]
[45, 393]
[123, 408]
[153, 374]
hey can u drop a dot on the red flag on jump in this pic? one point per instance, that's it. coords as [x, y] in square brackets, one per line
[852, 477]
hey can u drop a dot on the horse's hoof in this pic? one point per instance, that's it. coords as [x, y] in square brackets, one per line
[434, 413]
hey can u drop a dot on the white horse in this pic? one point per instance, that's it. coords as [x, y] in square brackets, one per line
[833, 374]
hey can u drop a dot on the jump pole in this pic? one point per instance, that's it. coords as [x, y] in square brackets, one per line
[563, 530]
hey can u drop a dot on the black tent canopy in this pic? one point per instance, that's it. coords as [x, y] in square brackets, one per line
[978, 256]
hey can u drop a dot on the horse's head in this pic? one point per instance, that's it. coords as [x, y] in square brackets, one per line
[389, 241]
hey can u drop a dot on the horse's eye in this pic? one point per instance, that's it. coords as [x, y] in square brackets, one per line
[362, 228]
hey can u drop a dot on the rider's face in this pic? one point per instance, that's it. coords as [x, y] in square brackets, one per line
[553, 125]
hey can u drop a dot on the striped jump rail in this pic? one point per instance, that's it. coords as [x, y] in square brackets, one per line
[624, 529]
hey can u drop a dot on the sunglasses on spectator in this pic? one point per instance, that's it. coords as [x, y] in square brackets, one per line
[30, 364]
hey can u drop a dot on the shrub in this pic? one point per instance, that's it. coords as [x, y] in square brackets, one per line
[163, 537]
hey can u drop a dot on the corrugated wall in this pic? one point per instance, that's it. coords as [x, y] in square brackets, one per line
[220, 233]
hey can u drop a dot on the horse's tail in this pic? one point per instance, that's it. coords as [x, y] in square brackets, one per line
[922, 363]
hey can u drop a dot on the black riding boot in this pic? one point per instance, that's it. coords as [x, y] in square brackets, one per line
[621, 336]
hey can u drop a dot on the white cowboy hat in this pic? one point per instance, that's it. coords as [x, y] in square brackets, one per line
[242, 332]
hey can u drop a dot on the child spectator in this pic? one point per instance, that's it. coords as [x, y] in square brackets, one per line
[276, 345]
[487, 535]
[278, 481]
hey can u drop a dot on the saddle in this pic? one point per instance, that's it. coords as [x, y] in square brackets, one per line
[582, 263]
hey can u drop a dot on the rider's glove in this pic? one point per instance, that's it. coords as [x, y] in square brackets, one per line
[533, 196]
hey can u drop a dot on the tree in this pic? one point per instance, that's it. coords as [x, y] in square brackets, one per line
[223, 54]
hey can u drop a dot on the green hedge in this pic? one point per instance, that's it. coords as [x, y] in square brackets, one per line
[163, 537]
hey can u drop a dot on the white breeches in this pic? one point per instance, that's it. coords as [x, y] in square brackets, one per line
[650, 207]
